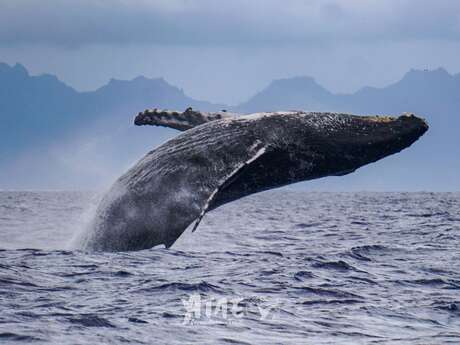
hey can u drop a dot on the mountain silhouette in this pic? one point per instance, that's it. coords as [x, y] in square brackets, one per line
[53, 136]
[285, 94]
[38, 109]
[420, 91]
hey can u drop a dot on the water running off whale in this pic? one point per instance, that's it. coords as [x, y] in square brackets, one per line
[221, 157]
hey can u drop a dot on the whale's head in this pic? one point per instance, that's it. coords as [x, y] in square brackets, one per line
[303, 146]
[346, 142]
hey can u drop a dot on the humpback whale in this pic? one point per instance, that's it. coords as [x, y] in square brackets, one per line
[220, 157]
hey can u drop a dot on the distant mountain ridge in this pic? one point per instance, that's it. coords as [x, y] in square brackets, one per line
[35, 109]
[417, 90]
[282, 94]
[53, 136]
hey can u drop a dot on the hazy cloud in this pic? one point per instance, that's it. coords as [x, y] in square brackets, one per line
[225, 51]
[236, 22]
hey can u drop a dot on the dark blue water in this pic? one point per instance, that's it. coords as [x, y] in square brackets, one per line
[280, 267]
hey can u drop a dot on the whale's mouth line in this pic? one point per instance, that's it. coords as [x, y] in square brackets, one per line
[231, 178]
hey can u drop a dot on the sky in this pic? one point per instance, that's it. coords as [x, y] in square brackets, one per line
[225, 51]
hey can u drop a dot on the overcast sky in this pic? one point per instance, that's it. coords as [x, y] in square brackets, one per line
[224, 51]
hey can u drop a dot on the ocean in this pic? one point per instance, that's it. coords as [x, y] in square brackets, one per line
[279, 267]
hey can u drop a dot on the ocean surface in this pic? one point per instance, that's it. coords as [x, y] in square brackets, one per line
[280, 267]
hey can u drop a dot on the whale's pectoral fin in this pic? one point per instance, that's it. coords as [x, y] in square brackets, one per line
[181, 121]
[226, 182]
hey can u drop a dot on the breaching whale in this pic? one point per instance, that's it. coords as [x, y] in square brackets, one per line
[221, 157]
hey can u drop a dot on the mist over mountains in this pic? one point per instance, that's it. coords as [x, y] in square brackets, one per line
[53, 137]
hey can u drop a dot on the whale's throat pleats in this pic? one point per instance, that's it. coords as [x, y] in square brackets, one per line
[268, 168]
[230, 179]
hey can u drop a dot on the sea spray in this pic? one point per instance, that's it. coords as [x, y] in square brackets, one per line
[83, 228]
